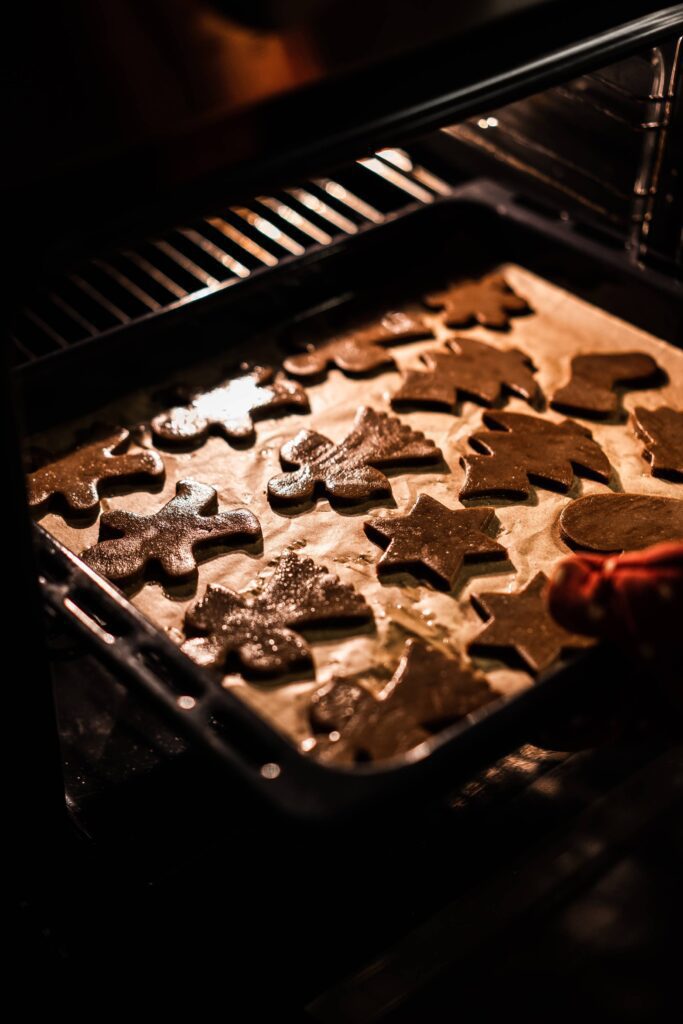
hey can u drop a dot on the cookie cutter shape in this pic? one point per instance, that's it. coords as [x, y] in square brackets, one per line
[525, 450]
[595, 382]
[662, 431]
[434, 541]
[521, 625]
[77, 477]
[360, 351]
[169, 537]
[428, 691]
[230, 408]
[467, 368]
[489, 301]
[263, 630]
[348, 472]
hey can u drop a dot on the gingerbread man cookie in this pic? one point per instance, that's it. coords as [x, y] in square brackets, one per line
[168, 538]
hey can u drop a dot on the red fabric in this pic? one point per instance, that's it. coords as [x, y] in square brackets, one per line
[634, 599]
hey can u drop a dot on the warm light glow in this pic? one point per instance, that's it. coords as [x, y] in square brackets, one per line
[398, 157]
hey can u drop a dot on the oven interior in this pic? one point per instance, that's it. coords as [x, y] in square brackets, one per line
[578, 182]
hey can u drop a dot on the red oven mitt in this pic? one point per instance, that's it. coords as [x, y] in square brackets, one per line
[634, 599]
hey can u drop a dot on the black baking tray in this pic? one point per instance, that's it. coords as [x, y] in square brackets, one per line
[480, 226]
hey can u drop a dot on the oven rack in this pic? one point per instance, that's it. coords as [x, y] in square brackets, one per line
[140, 282]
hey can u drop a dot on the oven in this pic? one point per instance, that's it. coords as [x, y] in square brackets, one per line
[200, 827]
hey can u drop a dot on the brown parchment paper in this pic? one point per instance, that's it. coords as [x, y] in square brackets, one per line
[561, 327]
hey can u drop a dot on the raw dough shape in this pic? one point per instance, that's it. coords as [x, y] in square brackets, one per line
[427, 692]
[489, 301]
[348, 471]
[528, 450]
[662, 431]
[467, 368]
[434, 541]
[170, 536]
[263, 630]
[596, 379]
[621, 522]
[230, 408]
[521, 624]
[76, 477]
[359, 351]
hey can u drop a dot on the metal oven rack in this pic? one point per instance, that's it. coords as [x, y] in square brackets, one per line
[159, 276]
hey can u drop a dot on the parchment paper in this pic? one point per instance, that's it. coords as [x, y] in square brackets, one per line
[561, 327]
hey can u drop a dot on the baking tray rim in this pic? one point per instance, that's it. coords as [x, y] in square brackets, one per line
[286, 777]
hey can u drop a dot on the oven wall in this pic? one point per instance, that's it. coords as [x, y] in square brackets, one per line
[606, 148]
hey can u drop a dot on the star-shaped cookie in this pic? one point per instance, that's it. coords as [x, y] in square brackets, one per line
[521, 625]
[434, 541]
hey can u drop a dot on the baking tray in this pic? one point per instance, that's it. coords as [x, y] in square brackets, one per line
[479, 227]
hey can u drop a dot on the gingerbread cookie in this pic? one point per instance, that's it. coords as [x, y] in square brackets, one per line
[467, 368]
[621, 522]
[434, 541]
[168, 538]
[490, 301]
[360, 351]
[348, 471]
[595, 381]
[230, 408]
[262, 630]
[521, 625]
[662, 431]
[77, 477]
[427, 692]
[525, 450]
